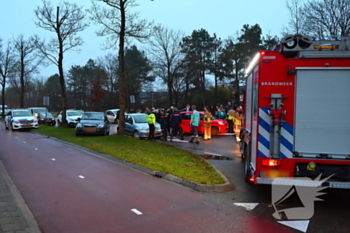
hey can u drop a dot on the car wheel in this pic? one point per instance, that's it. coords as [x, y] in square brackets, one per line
[106, 133]
[12, 129]
[136, 135]
[214, 131]
[77, 134]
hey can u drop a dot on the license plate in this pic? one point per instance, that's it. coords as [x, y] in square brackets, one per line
[48, 121]
[90, 130]
[27, 124]
[272, 174]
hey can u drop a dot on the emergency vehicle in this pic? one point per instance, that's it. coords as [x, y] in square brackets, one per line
[297, 113]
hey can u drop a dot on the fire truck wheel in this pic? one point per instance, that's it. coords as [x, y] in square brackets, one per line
[246, 165]
[242, 149]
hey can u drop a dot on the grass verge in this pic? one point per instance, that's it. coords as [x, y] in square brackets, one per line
[156, 156]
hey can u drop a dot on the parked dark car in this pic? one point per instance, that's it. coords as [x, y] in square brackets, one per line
[47, 119]
[92, 123]
[37, 111]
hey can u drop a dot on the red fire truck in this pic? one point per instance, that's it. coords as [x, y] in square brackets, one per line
[297, 112]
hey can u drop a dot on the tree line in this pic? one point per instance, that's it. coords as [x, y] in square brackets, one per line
[200, 68]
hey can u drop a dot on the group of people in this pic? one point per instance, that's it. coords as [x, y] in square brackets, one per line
[170, 120]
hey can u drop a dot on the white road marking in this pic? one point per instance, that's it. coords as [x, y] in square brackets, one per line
[36, 149]
[298, 225]
[24, 142]
[228, 134]
[53, 159]
[178, 140]
[136, 211]
[81, 177]
[247, 206]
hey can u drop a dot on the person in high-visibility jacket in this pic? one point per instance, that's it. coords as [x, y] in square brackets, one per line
[230, 116]
[151, 121]
[207, 123]
[237, 123]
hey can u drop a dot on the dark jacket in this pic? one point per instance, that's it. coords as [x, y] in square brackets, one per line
[164, 119]
[176, 118]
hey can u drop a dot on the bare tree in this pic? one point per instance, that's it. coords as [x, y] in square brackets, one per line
[108, 63]
[118, 24]
[297, 18]
[320, 19]
[167, 58]
[6, 69]
[28, 60]
[66, 22]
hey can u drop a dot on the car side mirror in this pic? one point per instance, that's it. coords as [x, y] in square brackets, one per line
[78, 119]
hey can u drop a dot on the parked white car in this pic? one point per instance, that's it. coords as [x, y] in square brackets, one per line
[72, 116]
[112, 115]
[20, 119]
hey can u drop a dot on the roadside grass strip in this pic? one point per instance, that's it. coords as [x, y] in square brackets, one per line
[155, 156]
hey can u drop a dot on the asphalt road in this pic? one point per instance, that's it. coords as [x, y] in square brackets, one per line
[70, 190]
[330, 215]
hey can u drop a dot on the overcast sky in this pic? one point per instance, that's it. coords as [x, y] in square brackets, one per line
[223, 17]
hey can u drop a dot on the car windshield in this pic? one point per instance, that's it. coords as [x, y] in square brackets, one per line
[74, 113]
[40, 110]
[47, 115]
[93, 116]
[23, 113]
[140, 118]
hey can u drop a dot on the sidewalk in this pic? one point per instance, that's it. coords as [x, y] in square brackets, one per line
[15, 216]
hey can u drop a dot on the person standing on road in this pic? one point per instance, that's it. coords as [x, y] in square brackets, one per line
[230, 116]
[176, 120]
[238, 116]
[164, 118]
[151, 121]
[228, 107]
[194, 124]
[207, 123]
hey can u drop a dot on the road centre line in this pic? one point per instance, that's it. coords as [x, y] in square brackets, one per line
[136, 211]
[53, 159]
[81, 177]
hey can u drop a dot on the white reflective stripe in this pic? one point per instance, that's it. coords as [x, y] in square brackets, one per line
[287, 135]
[285, 151]
[264, 133]
[265, 151]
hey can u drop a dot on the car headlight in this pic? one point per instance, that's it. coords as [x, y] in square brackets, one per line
[70, 119]
[79, 125]
[16, 122]
[143, 128]
[221, 123]
[101, 126]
